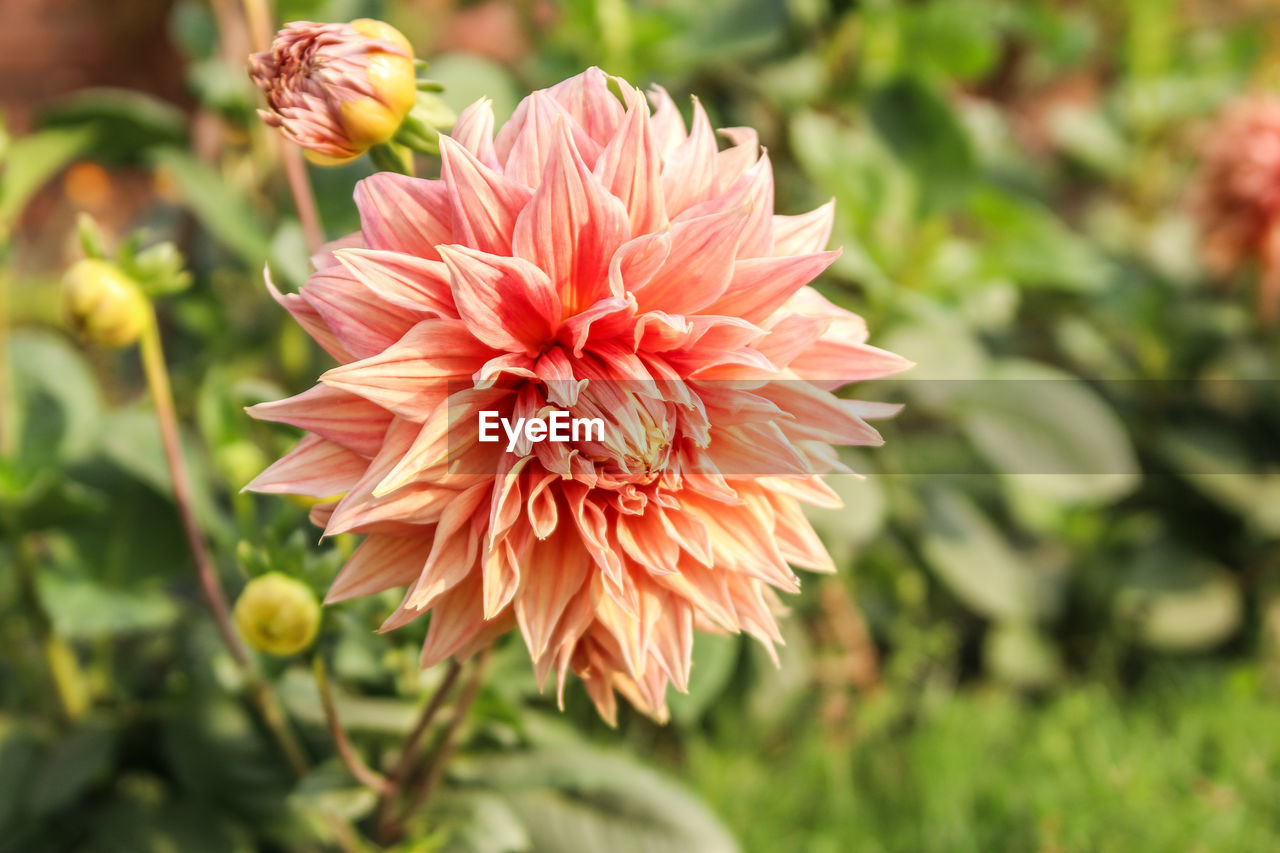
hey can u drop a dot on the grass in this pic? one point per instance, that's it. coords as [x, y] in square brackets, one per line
[1190, 761]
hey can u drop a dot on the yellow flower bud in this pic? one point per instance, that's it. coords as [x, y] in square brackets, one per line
[337, 89]
[277, 614]
[102, 304]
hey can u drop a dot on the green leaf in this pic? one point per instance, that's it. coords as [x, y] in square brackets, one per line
[577, 798]
[1027, 243]
[482, 822]
[221, 209]
[1220, 468]
[131, 441]
[974, 561]
[125, 122]
[20, 756]
[78, 761]
[715, 656]
[920, 127]
[329, 790]
[1050, 431]
[366, 714]
[58, 402]
[160, 270]
[82, 608]
[1020, 654]
[468, 77]
[1176, 602]
[34, 159]
[49, 500]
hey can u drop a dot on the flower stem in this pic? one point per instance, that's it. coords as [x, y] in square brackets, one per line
[258, 16]
[434, 770]
[157, 373]
[363, 773]
[409, 752]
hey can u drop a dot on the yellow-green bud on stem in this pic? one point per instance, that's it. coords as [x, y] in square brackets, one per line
[277, 614]
[102, 304]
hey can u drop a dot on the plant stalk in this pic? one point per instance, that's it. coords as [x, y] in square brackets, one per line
[259, 17]
[362, 772]
[157, 373]
[409, 752]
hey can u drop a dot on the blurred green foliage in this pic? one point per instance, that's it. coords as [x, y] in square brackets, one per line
[1013, 658]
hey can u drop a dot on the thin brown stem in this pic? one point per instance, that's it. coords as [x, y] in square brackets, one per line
[363, 773]
[409, 751]
[259, 16]
[157, 374]
[439, 760]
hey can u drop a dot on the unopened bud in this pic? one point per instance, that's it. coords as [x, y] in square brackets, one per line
[337, 89]
[277, 614]
[102, 304]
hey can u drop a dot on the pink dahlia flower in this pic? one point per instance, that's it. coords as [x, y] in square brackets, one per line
[1238, 197]
[336, 89]
[599, 259]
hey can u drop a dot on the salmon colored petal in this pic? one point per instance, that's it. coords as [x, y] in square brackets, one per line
[508, 303]
[403, 214]
[380, 563]
[333, 414]
[402, 281]
[410, 377]
[630, 167]
[484, 203]
[474, 131]
[315, 467]
[571, 227]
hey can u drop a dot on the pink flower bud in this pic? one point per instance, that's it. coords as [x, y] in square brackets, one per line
[336, 89]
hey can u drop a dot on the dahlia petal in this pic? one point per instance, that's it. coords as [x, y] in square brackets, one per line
[325, 257]
[805, 233]
[630, 167]
[333, 414]
[831, 363]
[403, 214]
[315, 467]
[798, 543]
[403, 281]
[562, 566]
[732, 162]
[667, 125]
[637, 261]
[752, 192]
[378, 564]
[760, 286]
[483, 202]
[455, 549]
[571, 227]
[309, 319]
[791, 336]
[508, 303]
[689, 173]
[699, 265]
[536, 139]
[456, 621]
[587, 98]
[362, 322]
[474, 131]
[606, 319]
[410, 377]
[819, 415]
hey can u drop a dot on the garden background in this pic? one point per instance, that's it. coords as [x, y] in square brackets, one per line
[1056, 625]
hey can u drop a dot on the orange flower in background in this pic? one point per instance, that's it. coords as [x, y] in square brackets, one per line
[336, 89]
[1238, 196]
[597, 258]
